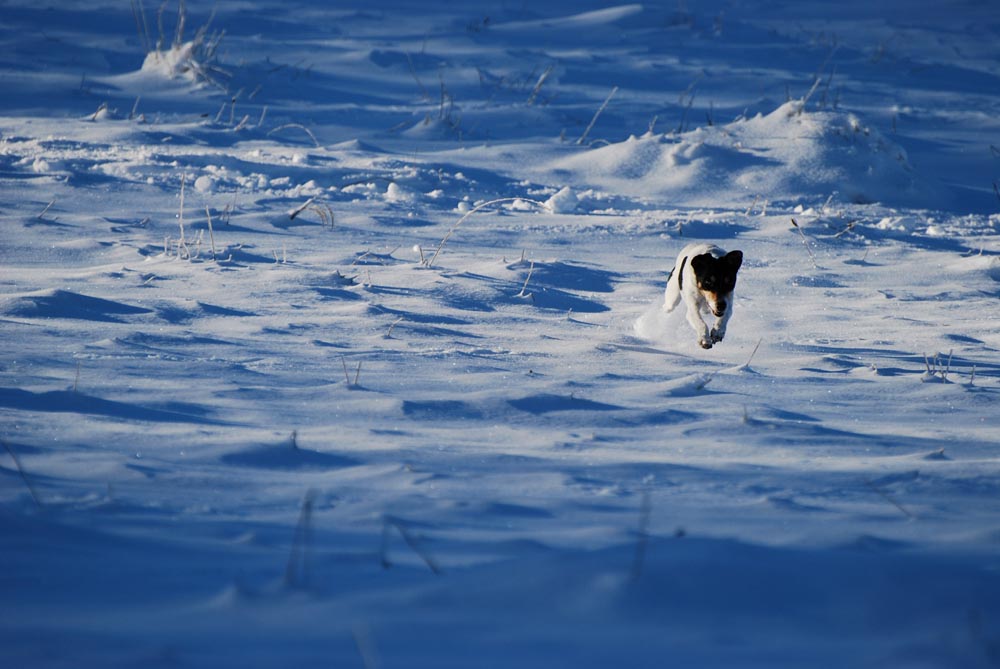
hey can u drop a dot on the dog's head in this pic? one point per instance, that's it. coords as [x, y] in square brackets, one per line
[717, 278]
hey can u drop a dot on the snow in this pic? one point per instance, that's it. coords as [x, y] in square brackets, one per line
[334, 335]
[788, 152]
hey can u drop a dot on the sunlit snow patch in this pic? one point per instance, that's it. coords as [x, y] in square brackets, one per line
[786, 154]
[563, 202]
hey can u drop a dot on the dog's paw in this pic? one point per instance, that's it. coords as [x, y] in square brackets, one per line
[717, 335]
[705, 343]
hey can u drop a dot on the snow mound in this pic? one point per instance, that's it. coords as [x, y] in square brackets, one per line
[182, 61]
[782, 155]
[563, 202]
[204, 184]
[171, 64]
[194, 61]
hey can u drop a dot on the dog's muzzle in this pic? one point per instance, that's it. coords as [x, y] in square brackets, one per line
[720, 308]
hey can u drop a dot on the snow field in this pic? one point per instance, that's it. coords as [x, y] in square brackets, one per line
[328, 406]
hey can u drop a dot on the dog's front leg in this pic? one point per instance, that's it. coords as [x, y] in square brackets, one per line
[719, 331]
[700, 327]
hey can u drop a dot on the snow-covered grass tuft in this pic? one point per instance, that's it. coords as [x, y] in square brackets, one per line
[194, 60]
[938, 368]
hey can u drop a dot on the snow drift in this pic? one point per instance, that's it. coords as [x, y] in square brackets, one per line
[784, 155]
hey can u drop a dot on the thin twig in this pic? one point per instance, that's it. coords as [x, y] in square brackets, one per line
[810, 93]
[383, 552]
[103, 107]
[583, 137]
[300, 127]
[298, 210]
[819, 76]
[159, 25]
[20, 470]
[180, 215]
[690, 89]
[684, 114]
[324, 212]
[642, 538]
[881, 493]
[805, 242]
[41, 216]
[413, 71]
[526, 280]
[469, 213]
[414, 545]
[538, 87]
[826, 89]
[746, 365]
[181, 16]
[140, 20]
[388, 335]
[850, 226]
[297, 570]
[211, 234]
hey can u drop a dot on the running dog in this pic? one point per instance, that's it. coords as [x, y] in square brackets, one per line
[705, 277]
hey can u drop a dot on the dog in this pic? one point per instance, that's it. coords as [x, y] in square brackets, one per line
[705, 277]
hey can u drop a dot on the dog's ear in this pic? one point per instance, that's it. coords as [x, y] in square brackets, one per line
[733, 260]
[701, 263]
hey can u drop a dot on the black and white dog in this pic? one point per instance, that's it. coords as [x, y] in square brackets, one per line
[705, 277]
